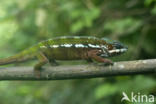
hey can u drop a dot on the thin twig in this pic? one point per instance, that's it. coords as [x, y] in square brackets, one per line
[80, 71]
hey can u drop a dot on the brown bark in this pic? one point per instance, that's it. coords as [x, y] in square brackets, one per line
[80, 71]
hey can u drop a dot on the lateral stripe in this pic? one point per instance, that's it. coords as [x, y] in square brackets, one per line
[73, 45]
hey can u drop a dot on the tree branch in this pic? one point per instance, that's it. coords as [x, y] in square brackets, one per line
[80, 71]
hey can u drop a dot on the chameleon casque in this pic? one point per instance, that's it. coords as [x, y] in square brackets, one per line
[69, 48]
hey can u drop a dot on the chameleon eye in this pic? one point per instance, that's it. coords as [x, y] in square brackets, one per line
[110, 47]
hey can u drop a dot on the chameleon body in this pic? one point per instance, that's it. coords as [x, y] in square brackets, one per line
[69, 48]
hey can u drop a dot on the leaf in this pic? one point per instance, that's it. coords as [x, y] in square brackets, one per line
[153, 11]
[122, 25]
[148, 2]
[105, 90]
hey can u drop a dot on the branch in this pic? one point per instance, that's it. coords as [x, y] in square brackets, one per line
[80, 71]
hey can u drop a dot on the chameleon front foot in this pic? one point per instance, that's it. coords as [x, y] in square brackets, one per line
[101, 64]
[105, 64]
[94, 55]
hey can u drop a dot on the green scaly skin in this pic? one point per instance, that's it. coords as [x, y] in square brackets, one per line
[61, 48]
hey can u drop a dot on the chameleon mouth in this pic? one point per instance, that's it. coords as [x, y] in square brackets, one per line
[114, 52]
[118, 50]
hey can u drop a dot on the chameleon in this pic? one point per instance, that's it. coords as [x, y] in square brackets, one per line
[69, 48]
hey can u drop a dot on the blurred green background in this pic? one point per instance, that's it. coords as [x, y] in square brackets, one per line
[24, 23]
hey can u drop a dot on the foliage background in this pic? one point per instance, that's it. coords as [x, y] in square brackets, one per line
[26, 22]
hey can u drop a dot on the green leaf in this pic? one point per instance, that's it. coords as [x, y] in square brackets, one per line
[105, 90]
[153, 11]
[148, 2]
[122, 25]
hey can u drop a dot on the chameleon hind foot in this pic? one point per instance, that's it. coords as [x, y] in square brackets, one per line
[37, 73]
[38, 67]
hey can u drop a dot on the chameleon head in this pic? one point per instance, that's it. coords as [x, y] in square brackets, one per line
[113, 49]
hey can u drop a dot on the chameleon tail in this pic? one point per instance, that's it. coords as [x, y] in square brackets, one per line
[20, 57]
[7, 60]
